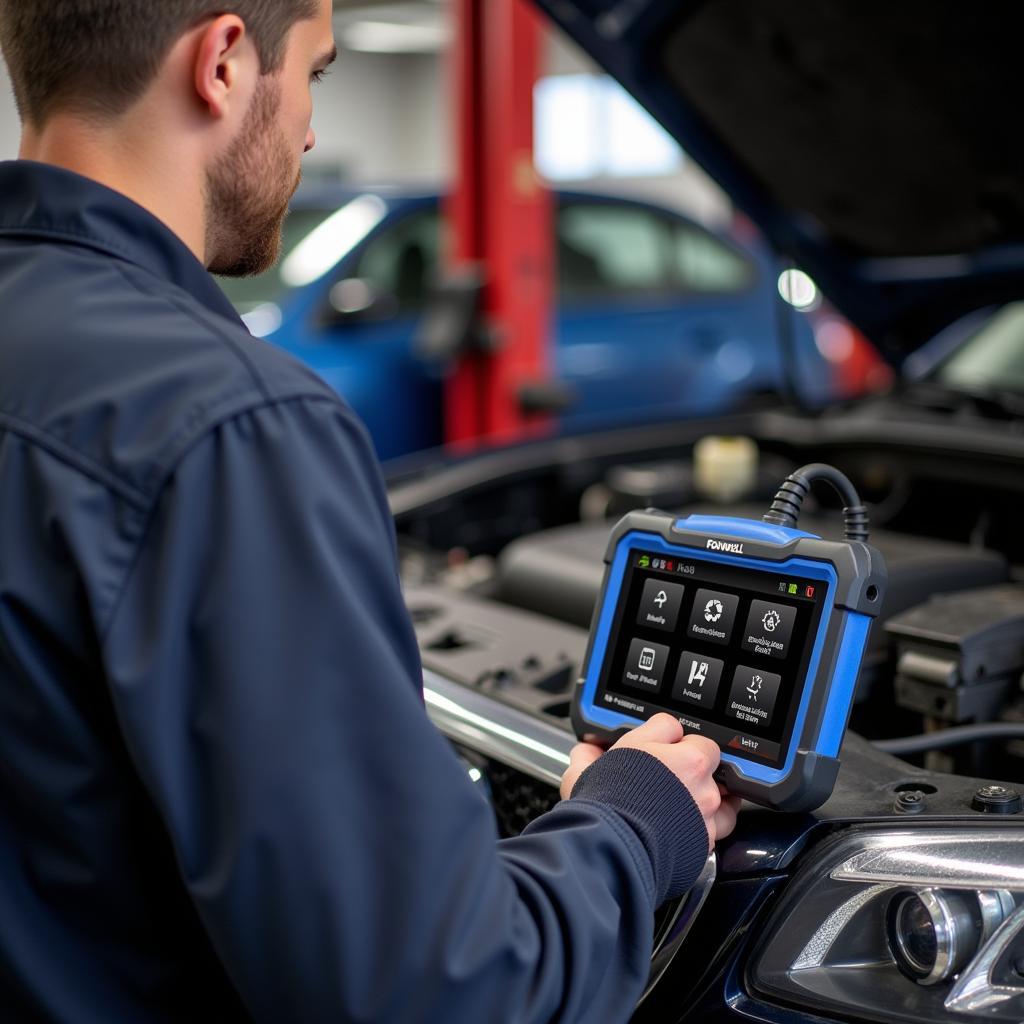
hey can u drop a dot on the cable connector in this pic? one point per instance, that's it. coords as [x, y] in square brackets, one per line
[785, 509]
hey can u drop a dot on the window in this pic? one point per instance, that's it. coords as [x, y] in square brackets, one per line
[617, 250]
[706, 265]
[588, 126]
[609, 251]
[993, 358]
[402, 262]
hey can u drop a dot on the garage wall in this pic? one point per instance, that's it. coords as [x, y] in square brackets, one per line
[377, 118]
[10, 127]
[382, 117]
[428, 119]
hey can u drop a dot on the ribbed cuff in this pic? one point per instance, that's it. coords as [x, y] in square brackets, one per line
[658, 807]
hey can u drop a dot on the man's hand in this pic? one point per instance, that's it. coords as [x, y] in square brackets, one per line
[692, 759]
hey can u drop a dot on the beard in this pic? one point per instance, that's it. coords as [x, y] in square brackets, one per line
[248, 191]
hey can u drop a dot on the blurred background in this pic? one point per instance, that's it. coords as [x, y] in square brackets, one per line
[656, 300]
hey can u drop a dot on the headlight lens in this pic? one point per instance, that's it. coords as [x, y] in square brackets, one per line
[917, 936]
[933, 933]
[903, 926]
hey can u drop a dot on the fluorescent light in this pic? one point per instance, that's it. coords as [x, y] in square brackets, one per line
[393, 37]
[332, 239]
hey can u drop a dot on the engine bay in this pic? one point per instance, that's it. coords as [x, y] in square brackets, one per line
[506, 610]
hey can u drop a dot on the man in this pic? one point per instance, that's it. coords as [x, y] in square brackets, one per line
[220, 797]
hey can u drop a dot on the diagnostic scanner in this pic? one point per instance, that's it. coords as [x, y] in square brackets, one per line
[750, 633]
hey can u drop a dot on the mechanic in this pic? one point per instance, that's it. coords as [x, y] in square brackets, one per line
[220, 795]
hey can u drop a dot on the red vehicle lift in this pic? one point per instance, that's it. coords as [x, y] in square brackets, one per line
[500, 218]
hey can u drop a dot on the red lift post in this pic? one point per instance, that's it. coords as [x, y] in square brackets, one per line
[500, 218]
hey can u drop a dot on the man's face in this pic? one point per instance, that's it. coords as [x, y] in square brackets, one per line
[249, 188]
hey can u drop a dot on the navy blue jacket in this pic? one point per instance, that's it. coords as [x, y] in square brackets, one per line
[220, 796]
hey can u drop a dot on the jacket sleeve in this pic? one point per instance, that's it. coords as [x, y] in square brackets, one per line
[267, 681]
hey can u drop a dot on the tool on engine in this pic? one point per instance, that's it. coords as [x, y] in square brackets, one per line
[750, 633]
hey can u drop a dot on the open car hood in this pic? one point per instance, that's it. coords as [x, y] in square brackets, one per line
[874, 143]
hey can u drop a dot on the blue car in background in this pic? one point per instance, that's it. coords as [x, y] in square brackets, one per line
[655, 314]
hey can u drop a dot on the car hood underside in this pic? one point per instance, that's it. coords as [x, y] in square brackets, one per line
[874, 143]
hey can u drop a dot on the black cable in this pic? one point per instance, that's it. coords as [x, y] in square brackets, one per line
[955, 736]
[789, 498]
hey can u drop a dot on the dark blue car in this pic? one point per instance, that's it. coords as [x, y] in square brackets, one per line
[656, 315]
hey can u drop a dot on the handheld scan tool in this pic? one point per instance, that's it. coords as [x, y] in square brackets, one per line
[750, 633]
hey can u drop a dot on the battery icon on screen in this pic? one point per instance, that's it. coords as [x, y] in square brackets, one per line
[793, 588]
[809, 592]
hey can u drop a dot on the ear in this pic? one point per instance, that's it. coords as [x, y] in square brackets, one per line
[224, 59]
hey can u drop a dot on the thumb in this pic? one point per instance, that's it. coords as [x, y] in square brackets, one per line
[661, 728]
[581, 757]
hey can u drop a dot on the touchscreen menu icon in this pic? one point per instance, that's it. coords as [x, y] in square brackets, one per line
[712, 616]
[768, 628]
[753, 695]
[659, 605]
[697, 679]
[645, 664]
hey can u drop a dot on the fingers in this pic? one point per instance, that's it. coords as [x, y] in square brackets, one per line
[581, 757]
[693, 759]
[704, 790]
[724, 819]
[706, 751]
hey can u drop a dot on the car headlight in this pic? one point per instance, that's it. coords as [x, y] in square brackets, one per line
[903, 926]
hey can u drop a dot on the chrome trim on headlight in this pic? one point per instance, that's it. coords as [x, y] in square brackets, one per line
[814, 953]
[944, 858]
[996, 906]
[977, 990]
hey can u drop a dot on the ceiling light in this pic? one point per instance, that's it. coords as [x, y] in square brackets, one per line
[392, 37]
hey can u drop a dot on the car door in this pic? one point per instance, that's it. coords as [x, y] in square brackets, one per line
[367, 319]
[655, 313]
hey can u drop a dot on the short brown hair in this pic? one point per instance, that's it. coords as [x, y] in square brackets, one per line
[99, 56]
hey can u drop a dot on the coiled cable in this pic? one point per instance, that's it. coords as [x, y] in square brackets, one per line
[785, 509]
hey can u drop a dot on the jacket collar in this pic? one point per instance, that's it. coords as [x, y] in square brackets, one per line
[46, 202]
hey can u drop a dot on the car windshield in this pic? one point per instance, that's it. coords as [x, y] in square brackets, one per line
[992, 360]
[314, 239]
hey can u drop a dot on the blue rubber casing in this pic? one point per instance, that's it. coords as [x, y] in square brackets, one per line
[855, 577]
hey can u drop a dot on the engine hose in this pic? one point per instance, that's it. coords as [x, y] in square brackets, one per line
[955, 736]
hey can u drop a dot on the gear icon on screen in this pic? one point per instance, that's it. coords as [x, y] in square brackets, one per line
[771, 620]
